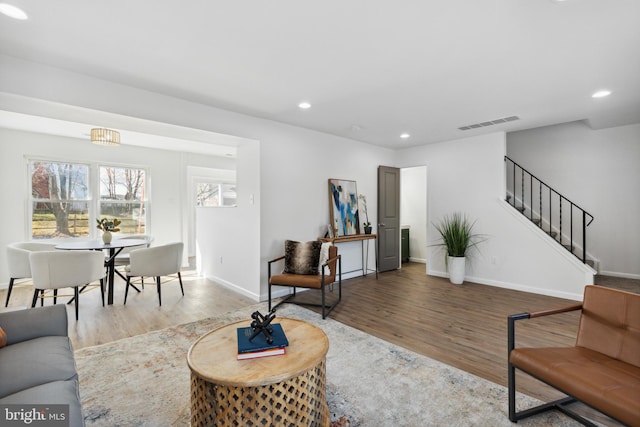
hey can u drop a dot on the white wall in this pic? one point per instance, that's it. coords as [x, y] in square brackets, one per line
[467, 175]
[598, 170]
[413, 210]
[292, 165]
[167, 172]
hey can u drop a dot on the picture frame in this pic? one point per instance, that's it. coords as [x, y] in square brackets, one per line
[343, 207]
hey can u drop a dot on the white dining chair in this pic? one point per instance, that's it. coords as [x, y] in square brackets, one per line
[156, 261]
[18, 260]
[66, 269]
[122, 259]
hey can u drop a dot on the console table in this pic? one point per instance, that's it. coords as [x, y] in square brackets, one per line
[287, 390]
[362, 238]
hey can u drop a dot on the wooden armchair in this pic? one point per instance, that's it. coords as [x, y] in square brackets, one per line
[320, 281]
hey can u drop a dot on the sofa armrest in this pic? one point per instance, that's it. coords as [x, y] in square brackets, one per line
[23, 325]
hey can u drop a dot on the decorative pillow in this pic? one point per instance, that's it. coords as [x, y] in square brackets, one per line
[3, 338]
[301, 258]
[324, 256]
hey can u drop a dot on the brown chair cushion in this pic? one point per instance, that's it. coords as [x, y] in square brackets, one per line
[610, 323]
[301, 258]
[606, 384]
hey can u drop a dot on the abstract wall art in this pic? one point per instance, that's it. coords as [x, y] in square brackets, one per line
[343, 210]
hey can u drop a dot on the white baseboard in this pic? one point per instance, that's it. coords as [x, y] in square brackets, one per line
[514, 286]
[234, 287]
[617, 274]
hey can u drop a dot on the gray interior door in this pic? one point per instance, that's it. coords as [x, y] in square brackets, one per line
[388, 218]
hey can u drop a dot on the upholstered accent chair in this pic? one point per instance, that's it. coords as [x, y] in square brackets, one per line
[326, 273]
[66, 269]
[18, 259]
[156, 261]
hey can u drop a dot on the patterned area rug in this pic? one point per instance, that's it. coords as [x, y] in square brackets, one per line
[144, 381]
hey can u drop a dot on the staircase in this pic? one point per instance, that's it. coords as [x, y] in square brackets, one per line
[562, 220]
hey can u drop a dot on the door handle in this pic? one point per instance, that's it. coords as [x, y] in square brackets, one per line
[381, 225]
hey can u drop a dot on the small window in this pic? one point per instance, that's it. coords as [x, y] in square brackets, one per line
[215, 194]
[60, 199]
[123, 196]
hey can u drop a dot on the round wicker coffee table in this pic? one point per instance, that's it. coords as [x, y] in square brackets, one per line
[284, 390]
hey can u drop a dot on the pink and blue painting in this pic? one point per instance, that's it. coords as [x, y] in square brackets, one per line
[343, 197]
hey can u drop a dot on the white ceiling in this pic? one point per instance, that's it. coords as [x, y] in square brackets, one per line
[371, 69]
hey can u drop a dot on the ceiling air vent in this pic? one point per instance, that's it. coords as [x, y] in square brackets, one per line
[490, 123]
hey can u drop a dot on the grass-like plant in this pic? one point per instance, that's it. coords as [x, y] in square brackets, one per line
[456, 232]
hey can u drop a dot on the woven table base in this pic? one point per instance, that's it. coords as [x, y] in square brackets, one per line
[298, 401]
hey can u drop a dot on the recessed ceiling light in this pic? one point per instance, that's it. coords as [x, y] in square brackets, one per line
[405, 135]
[601, 94]
[12, 11]
[304, 105]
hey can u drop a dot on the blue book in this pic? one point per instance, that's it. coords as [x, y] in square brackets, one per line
[259, 342]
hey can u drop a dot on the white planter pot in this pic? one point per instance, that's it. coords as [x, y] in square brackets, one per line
[456, 269]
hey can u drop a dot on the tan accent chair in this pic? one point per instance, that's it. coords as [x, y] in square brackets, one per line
[18, 260]
[310, 281]
[66, 269]
[601, 370]
[156, 261]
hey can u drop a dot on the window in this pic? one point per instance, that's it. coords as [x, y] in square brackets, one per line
[215, 194]
[62, 204]
[60, 199]
[122, 195]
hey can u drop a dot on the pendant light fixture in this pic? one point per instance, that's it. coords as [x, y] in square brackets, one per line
[102, 136]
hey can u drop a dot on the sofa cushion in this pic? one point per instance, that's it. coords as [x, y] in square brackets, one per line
[53, 393]
[34, 362]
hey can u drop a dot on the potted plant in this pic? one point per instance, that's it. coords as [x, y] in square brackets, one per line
[456, 232]
[366, 225]
[108, 226]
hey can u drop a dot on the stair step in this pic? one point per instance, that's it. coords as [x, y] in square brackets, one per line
[590, 263]
[508, 197]
[536, 221]
[521, 208]
[570, 248]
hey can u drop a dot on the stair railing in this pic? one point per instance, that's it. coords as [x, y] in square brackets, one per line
[549, 213]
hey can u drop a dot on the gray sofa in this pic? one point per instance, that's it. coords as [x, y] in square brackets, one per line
[37, 367]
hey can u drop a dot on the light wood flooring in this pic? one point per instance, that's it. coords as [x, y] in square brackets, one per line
[462, 325]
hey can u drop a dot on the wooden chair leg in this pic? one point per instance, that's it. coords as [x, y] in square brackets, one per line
[11, 280]
[102, 290]
[159, 291]
[41, 297]
[180, 279]
[55, 296]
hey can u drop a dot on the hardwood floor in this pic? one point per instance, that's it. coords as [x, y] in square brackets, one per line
[461, 325]
[98, 325]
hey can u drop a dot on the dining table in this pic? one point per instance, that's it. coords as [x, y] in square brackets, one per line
[114, 247]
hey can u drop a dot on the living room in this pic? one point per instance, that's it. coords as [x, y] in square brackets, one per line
[282, 168]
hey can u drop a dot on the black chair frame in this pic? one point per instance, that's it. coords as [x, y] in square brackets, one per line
[326, 309]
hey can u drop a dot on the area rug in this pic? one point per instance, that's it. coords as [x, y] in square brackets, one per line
[144, 381]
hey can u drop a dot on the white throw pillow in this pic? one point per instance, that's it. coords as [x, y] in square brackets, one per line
[324, 256]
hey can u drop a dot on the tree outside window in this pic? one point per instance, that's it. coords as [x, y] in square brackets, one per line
[122, 196]
[59, 199]
[210, 194]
